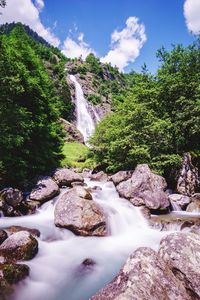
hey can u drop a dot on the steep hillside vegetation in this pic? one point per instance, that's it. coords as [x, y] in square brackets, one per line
[158, 119]
[34, 95]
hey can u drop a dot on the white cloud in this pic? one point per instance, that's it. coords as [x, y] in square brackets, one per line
[126, 44]
[76, 47]
[26, 12]
[39, 4]
[192, 15]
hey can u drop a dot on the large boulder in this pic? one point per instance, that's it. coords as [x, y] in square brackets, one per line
[45, 190]
[120, 176]
[80, 215]
[144, 276]
[19, 246]
[65, 177]
[145, 188]
[188, 178]
[181, 251]
[180, 200]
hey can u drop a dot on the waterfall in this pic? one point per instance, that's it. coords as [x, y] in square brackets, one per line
[85, 122]
[56, 272]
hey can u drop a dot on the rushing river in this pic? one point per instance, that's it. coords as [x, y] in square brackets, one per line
[56, 271]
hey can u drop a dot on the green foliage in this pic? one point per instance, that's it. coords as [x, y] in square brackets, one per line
[77, 155]
[94, 99]
[31, 135]
[156, 118]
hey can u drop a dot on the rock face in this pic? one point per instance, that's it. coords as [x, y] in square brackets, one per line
[188, 179]
[144, 276]
[181, 251]
[19, 246]
[45, 190]
[80, 215]
[180, 200]
[65, 177]
[145, 188]
[121, 176]
[72, 133]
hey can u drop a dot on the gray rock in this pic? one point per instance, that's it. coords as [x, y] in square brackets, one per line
[45, 190]
[19, 246]
[12, 197]
[145, 188]
[181, 200]
[144, 276]
[82, 192]
[3, 236]
[100, 176]
[181, 251]
[121, 176]
[14, 229]
[188, 179]
[65, 177]
[79, 215]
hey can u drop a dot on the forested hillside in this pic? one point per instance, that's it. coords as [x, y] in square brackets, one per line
[34, 95]
[158, 119]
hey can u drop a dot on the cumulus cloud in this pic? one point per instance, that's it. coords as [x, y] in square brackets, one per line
[26, 12]
[76, 46]
[192, 15]
[126, 44]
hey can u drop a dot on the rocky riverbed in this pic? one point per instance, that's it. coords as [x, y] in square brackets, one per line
[74, 231]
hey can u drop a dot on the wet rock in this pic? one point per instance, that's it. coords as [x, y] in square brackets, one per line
[181, 251]
[145, 188]
[100, 176]
[144, 276]
[79, 215]
[82, 192]
[121, 176]
[79, 183]
[193, 207]
[180, 200]
[88, 262]
[65, 177]
[19, 246]
[13, 197]
[3, 236]
[13, 273]
[14, 229]
[45, 190]
[188, 179]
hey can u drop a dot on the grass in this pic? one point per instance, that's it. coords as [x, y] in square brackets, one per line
[77, 155]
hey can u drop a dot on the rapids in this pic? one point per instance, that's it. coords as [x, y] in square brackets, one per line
[56, 271]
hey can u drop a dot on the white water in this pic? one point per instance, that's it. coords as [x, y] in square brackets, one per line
[55, 271]
[85, 122]
[175, 206]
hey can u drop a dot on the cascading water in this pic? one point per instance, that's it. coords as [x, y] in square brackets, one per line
[85, 122]
[56, 271]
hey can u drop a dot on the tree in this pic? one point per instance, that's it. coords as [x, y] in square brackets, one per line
[2, 3]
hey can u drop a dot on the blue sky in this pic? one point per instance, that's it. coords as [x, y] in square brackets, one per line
[136, 28]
